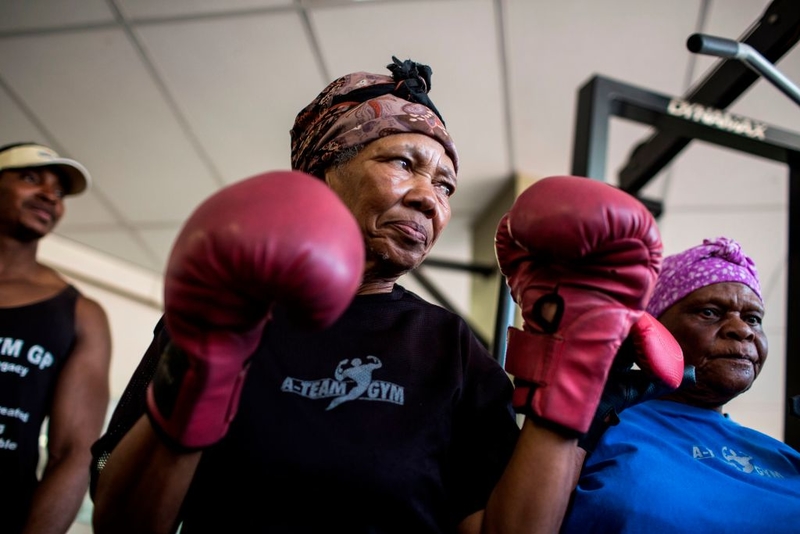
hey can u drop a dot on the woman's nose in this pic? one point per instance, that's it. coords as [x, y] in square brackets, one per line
[738, 328]
[422, 196]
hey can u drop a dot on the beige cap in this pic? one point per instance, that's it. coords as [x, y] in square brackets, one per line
[33, 155]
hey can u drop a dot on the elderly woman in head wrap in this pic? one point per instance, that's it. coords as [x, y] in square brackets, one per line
[679, 463]
[393, 420]
[380, 144]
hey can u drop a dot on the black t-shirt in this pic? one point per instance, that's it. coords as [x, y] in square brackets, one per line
[35, 341]
[395, 419]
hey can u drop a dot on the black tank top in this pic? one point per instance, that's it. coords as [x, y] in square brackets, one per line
[35, 341]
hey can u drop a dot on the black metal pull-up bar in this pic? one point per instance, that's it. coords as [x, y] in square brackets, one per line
[729, 49]
[774, 34]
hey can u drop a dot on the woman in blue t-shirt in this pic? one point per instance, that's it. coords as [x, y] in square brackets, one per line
[679, 463]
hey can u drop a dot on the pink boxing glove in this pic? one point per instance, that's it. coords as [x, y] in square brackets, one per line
[659, 359]
[275, 237]
[580, 258]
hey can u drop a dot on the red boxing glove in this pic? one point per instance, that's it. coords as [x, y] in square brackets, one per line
[580, 257]
[657, 353]
[660, 360]
[275, 237]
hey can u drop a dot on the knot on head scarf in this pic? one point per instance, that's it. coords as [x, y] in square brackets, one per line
[361, 107]
[715, 261]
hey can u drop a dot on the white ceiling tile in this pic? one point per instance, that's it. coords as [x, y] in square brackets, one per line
[555, 48]
[240, 83]
[118, 244]
[85, 210]
[160, 8]
[466, 81]
[160, 242]
[18, 15]
[111, 116]
[15, 126]
[716, 177]
[762, 234]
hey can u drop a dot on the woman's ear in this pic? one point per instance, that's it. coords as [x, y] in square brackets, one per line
[330, 175]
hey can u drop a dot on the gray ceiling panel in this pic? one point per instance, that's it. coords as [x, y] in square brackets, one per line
[165, 102]
[27, 15]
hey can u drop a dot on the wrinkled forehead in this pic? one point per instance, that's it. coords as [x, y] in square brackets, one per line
[728, 292]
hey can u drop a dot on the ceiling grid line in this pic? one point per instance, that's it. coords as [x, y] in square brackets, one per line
[313, 40]
[502, 44]
[166, 94]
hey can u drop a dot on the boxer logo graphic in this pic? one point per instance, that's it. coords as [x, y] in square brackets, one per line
[741, 462]
[352, 380]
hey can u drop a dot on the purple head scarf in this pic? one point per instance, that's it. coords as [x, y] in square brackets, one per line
[715, 261]
[361, 107]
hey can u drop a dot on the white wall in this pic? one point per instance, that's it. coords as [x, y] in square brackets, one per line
[131, 296]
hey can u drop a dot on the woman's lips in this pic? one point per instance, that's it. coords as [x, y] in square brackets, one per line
[413, 230]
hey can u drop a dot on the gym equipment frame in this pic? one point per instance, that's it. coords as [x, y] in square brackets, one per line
[681, 120]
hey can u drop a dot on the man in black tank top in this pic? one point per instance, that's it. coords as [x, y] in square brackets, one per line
[55, 350]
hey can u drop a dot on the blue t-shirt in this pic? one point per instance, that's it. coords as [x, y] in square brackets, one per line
[670, 467]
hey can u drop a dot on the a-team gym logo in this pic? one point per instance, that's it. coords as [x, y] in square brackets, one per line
[741, 461]
[717, 118]
[352, 380]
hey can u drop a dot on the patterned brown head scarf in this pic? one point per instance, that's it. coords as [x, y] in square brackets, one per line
[361, 107]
